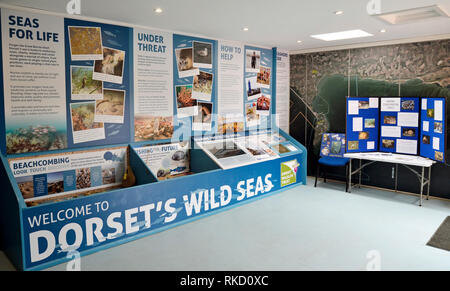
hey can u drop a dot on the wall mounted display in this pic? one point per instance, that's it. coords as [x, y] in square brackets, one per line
[362, 124]
[97, 139]
[399, 125]
[434, 129]
[98, 82]
[153, 85]
[258, 85]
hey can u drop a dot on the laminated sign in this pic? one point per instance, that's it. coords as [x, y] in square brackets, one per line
[289, 172]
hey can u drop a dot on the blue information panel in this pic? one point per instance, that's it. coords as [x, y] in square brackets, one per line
[433, 129]
[399, 125]
[333, 145]
[362, 124]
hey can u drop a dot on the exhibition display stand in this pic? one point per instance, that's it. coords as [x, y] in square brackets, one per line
[112, 132]
[41, 236]
[407, 127]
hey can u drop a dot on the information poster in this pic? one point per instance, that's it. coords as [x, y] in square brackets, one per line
[34, 78]
[231, 78]
[63, 175]
[98, 58]
[282, 89]
[166, 160]
[399, 132]
[153, 90]
[258, 87]
[195, 79]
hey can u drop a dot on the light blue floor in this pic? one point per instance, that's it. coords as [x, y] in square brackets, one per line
[304, 228]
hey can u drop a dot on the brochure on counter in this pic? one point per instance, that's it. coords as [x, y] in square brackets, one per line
[231, 152]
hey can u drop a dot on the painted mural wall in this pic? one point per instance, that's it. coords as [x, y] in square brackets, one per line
[321, 81]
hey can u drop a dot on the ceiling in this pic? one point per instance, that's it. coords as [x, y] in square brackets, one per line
[270, 23]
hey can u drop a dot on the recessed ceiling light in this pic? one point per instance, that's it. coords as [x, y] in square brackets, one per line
[245, 29]
[158, 10]
[299, 41]
[383, 30]
[342, 35]
[339, 12]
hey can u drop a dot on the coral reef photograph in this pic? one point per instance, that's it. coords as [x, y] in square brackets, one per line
[35, 138]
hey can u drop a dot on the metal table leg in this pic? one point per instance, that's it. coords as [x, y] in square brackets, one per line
[396, 176]
[360, 169]
[429, 182]
[350, 176]
[421, 185]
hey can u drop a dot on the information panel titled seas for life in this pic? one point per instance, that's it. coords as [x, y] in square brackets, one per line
[34, 77]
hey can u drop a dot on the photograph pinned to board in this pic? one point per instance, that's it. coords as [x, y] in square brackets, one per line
[83, 86]
[148, 127]
[363, 105]
[353, 145]
[185, 63]
[253, 88]
[439, 156]
[426, 139]
[369, 123]
[202, 54]
[110, 109]
[388, 143]
[363, 135]
[85, 43]
[203, 120]
[84, 127]
[408, 105]
[252, 61]
[263, 77]
[438, 127]
[202, 86]
[392, 120]
[409, 132]
[251, 115]
[111, 67]
[186, 105]
[263, 105]
[430, 113]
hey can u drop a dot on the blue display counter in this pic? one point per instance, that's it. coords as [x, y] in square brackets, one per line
[41, 236]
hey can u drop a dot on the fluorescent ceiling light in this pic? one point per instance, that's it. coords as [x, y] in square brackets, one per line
[158, 10]
[342, 35]
[245, 29]
[339, 12]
